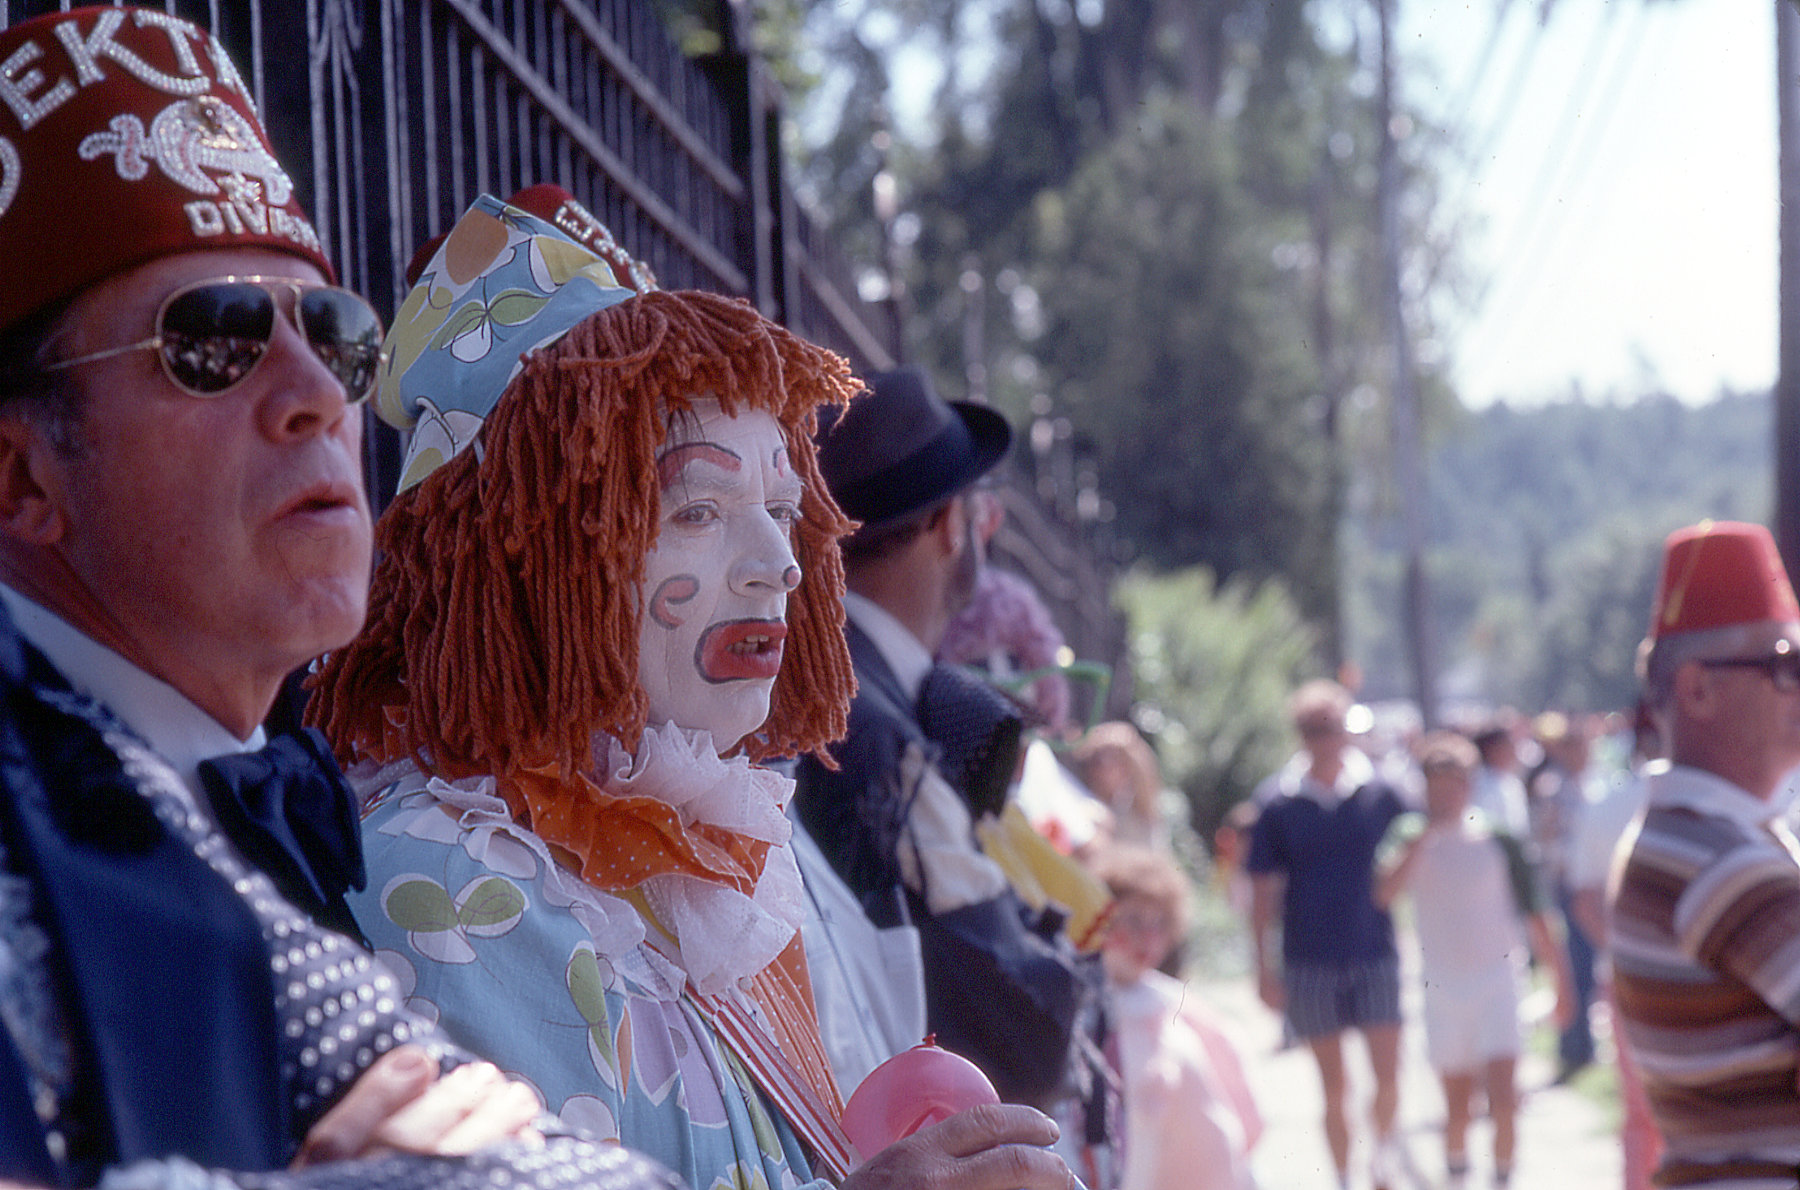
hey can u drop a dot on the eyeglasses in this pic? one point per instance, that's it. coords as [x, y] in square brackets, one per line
[1129, 922]
[211, 334]
[1782, 669]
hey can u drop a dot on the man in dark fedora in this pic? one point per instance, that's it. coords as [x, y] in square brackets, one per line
[903, 462]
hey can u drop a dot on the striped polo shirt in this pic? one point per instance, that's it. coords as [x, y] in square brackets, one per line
[1705, 938]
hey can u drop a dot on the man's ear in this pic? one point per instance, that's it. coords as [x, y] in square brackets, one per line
[944, 527]
[959, 525]
[1694, 692]
[30, 507]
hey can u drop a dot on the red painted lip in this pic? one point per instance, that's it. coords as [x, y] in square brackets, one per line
[740, 650]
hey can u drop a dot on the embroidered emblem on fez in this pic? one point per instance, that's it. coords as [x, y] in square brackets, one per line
[186, 139]
[10, 172]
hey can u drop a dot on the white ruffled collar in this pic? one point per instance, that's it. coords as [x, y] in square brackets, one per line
[715, 935]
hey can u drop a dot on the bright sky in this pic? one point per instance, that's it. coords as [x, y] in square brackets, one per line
[1622, 178]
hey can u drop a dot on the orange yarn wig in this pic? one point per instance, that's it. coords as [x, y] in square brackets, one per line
[504, 613]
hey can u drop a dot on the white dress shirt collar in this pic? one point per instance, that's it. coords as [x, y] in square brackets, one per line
[1684, 788]
[174, 727]
[905, 654]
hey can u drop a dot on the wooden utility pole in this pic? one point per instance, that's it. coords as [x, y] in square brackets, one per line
[1415, 602]
[1787, 379]
[1331, 381]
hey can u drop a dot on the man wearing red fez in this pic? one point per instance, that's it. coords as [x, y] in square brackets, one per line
[1705, 915]
[182, 523]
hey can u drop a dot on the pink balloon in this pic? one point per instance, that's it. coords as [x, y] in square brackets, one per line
[913, 1090]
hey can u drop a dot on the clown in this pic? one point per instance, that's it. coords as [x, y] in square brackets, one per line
[608, 589]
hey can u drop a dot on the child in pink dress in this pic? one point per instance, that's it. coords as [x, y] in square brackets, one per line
[1190, 1121]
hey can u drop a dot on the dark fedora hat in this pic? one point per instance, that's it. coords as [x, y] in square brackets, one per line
[900, 447]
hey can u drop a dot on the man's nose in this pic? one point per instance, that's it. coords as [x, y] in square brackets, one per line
[766, 561]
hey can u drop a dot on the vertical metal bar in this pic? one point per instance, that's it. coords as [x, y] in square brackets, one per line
[510, 137]
[428, 109]
[259, 69]
[353, 178]
[479, 117]
[549, 64]
[556, 49]
[598, 97]
[562, 161]
[502, 139]
[320, 134]
[398, 154]
[771, 287]
[457, 121]
[335, 46]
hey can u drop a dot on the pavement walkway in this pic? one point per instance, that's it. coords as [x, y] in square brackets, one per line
[1568, 1138]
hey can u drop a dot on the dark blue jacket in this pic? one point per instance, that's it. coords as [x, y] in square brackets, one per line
[1002, 988]
[164, 975]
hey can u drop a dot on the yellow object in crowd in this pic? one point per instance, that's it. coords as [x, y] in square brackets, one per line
[1042, 875]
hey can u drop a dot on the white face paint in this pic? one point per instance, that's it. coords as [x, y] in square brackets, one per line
[716, 583]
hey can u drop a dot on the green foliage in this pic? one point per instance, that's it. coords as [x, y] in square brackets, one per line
[1191, 401]
[697, 26]
[1546, 527]
[1154, 221]
[1214, 666]
[774, 29]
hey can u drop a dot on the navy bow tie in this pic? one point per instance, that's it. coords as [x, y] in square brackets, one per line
[290, 812]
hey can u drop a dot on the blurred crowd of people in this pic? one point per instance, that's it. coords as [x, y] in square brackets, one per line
[1500, 833]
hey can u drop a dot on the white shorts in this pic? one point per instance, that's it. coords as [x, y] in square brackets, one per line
[1472, 1019]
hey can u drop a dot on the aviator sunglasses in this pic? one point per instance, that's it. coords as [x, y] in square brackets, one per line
[211, 334]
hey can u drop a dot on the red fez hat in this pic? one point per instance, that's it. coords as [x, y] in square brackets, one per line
[127, 134]
[1719, 574]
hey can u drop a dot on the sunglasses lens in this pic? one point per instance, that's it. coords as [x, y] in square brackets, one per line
[345, 332]
[1784, 672]
[214, 334]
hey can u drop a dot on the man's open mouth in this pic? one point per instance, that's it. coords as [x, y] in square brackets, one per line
[741, 650]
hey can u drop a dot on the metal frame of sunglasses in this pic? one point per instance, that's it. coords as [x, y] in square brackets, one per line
[211, 352]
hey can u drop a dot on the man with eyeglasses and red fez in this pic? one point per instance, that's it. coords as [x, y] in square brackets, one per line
[182, 523]
[1704, 931]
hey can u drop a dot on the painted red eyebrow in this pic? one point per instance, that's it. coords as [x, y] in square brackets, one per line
[668, 467]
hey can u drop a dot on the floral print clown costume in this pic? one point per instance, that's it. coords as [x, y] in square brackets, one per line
[552, 979]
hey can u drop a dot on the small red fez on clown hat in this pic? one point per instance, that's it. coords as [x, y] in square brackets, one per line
[127, 134]
[1720, 574]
